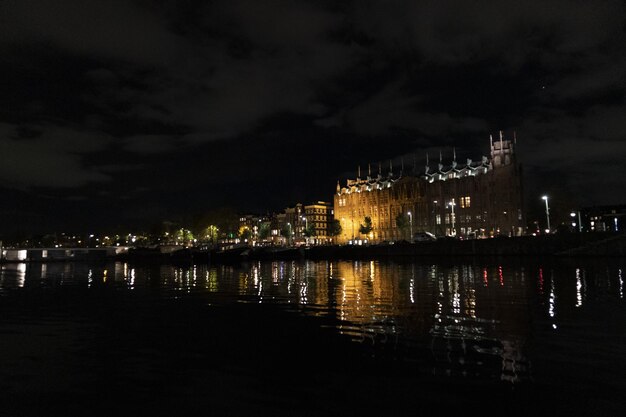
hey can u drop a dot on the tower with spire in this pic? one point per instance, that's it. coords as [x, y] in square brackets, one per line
[502, 151]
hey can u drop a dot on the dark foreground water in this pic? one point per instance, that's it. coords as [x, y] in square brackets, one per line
[313, 338]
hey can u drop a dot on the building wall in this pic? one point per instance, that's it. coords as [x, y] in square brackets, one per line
[474, 199]
[604, 218]
[319, 215]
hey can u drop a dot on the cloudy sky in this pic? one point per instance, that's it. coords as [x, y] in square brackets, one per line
[125, 112]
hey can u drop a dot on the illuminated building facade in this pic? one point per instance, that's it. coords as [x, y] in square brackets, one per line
[316, 217]
[603, 218]
[474, 199]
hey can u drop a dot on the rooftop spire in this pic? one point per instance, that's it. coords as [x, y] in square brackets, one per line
[359, 172]
[501, 148]
[454, 153]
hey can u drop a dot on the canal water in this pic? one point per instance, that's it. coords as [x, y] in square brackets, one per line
[314, 338]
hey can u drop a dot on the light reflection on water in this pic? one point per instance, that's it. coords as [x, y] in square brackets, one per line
[467, 320]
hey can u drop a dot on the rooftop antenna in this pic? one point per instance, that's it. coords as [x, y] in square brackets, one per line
[501, 148]
[454, 154]
[369, 169]
[359, 172]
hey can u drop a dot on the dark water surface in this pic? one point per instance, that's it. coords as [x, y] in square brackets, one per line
[313, 338]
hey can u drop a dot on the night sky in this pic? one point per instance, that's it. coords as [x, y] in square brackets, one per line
[128, 112]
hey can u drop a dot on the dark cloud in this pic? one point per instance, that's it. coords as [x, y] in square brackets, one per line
[51, 158]
[269, 102]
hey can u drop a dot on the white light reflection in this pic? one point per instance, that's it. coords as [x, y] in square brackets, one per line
[258, 283]
[453, 286]
[579, 285]
[621, 283]
[21, 274]
[303, 291]
[552, 301]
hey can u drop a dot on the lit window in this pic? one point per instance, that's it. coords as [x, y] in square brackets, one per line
[438, 218]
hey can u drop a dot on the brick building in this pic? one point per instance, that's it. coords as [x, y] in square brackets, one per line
[474, 199]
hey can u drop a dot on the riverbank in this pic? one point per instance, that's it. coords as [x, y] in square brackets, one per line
[564, 245]
[557, 245]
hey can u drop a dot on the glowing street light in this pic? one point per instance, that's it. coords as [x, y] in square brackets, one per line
[545, 198]
[452, 204]
[411, 223]
[580, 224]
[306, 223]
[306, 227]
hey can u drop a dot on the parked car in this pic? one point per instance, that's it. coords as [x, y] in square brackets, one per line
[424, 237]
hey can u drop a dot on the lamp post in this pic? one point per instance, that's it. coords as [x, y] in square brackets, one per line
[289, 236]
[306, 227]
[545, 198]
[411, 224]
[580, 224]
[452, 204]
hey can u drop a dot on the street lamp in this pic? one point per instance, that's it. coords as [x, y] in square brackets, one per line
[289, 236]
[306, 227]
[545, 198]
[452, 204]
[580, 223]
[411, 224]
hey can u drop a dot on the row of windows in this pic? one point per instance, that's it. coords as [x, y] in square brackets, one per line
[462, 218]
[311, 218]
[318, 210]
